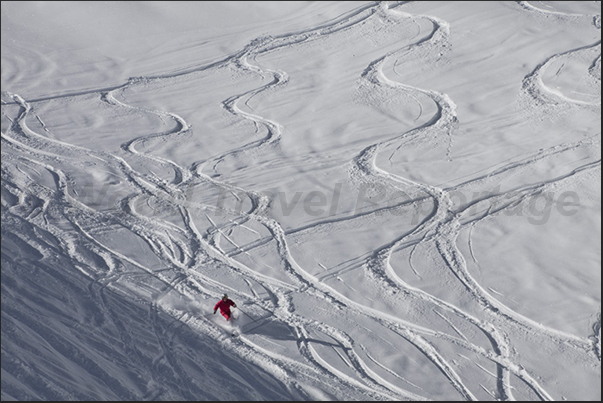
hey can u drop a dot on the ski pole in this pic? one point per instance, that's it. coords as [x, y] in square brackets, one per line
[262, 323]
[243, 312]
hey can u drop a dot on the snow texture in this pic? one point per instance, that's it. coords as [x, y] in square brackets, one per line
[403, 199]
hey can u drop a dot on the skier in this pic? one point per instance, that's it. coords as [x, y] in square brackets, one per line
[224, 304]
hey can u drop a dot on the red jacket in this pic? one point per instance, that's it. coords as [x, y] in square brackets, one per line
[224, 305]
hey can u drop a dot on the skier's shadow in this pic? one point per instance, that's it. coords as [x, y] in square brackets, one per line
[280, 331]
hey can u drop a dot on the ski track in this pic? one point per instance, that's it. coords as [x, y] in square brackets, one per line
[108, 268]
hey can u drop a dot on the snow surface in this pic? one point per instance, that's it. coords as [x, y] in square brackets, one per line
[403, 198]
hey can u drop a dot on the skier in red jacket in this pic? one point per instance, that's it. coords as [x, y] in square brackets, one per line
[224, 304]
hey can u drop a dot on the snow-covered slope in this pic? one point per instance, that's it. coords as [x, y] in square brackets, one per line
[403, 199]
